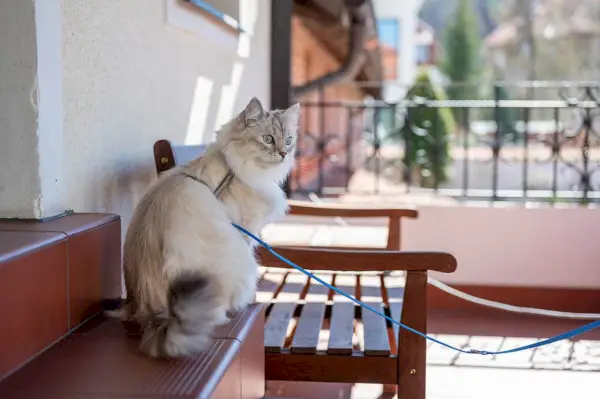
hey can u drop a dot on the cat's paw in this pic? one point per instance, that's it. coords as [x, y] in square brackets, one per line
[232, 313]
[240, 302]
[236, 309]
[223, 319]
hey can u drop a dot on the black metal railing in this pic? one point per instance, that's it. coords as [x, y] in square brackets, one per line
[535, 149]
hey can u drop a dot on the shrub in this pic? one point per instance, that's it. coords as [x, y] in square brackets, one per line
[426, 133]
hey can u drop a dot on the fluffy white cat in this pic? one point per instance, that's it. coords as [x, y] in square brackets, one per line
[185, 265]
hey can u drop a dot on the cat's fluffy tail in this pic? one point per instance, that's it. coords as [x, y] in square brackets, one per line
[119, 313]
[193, 314]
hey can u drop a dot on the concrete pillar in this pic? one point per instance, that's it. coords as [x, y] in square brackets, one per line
[31, 123]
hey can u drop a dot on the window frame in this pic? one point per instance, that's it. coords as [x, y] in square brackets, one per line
[214, 12]
[197, 17]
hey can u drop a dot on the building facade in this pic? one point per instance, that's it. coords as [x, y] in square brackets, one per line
[88, 86]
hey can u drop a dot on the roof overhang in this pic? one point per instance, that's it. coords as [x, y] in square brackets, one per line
[330, 21]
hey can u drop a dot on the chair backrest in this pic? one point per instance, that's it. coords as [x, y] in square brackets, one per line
[167, 156]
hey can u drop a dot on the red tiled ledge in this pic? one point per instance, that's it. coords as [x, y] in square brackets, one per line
[101, 360]
[53, 276]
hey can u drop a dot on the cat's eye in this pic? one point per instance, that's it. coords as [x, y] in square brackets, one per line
[268, 139]
[288, 140]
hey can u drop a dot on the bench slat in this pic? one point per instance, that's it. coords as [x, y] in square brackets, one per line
[309, 326]
[342, 317]
[307, 333]
[394, 286]
[317, 292]
[277, 324]
[268, 285]
[376, 337]
[376, 340]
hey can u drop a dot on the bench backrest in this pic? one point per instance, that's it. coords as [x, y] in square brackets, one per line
[167, 156]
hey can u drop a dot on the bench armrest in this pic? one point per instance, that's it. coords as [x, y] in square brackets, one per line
[305, 208]
[360, 260]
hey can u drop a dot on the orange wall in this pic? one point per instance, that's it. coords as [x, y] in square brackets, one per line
[310, 60]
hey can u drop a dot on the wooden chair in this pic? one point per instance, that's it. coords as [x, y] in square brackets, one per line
[313, 334]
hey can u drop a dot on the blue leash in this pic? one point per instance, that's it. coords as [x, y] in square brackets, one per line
[560, 337]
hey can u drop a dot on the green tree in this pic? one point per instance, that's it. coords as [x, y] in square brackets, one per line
[462, 45]
[427, 133]
[506, 116]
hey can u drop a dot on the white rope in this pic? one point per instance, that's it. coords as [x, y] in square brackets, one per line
[510, 308]
[486, 302]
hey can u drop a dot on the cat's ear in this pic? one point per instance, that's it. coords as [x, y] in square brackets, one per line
[291, 114]
[253, 112]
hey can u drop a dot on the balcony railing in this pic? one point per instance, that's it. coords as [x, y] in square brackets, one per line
[543, 148]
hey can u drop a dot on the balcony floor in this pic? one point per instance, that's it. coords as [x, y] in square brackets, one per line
[548, 373]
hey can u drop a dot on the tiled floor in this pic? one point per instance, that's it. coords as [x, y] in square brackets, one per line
[500, 331]
[445, 382]
[481, 383]
[555, 372]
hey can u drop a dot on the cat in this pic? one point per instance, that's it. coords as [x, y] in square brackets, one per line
[186, 267]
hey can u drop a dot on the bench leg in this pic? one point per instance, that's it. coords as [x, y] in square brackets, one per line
[412, 348]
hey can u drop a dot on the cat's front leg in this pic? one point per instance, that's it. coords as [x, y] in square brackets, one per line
[241, 300]
[253, 225]
[245, 293]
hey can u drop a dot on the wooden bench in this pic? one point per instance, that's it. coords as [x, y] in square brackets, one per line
[314, 334]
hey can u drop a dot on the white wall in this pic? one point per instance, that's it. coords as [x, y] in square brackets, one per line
[498, 246]
[512, 246]
[406, 12]
[133, 76]
[30, 109]
[19, 181]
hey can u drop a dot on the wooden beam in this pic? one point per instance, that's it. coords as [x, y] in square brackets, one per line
[354, 368]
[412, 349]
[281, 57]
[281, 54]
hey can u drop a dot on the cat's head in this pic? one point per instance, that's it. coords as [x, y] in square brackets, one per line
[259, 145]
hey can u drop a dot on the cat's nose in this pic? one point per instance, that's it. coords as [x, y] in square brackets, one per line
[283, 154]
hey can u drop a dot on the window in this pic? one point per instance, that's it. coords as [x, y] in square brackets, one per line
[216, 21]
[388, 31]
[422, 54]
[227, 11]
